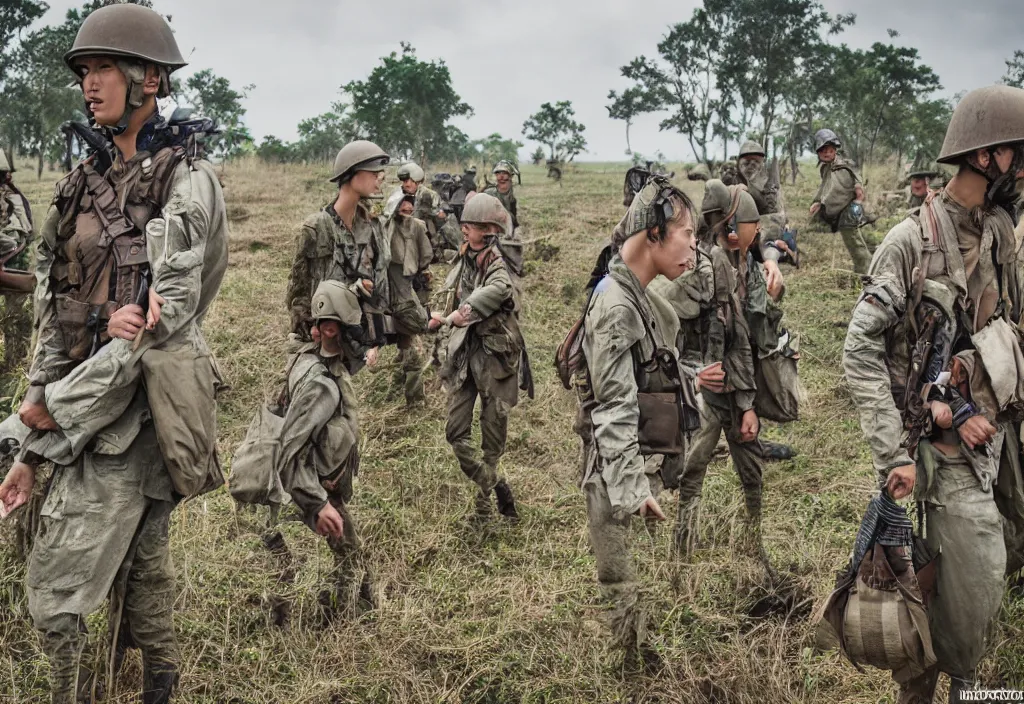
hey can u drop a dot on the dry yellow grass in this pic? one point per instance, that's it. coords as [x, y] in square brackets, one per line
[504, 614]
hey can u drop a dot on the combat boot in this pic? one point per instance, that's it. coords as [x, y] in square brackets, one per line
[158, 684]
[483, 506]
[506, 502]
[921, 690]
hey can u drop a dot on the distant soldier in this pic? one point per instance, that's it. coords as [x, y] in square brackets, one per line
[629, 358]
[503, 172]
[344, 242]
[427, 204]
[409, 279]
[485, 349]
[469, 179]
[920, 177]
[839, 202]
[15, 234]
[933, 363]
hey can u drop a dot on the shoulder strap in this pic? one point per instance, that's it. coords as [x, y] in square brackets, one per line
[284, 397]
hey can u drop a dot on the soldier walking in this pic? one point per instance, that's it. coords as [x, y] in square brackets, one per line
[839, 202]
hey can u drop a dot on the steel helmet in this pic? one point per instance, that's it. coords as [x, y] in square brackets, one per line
[333, 300]
[128, 31]
[751, 147]
[824, 137]
[718, 198]
[985, 117]
[360, 155]
[485, 209]
[411, 170]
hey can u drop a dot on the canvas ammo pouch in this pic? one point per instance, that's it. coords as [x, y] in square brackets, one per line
[254, 478]
[778, 382]
[659, 397]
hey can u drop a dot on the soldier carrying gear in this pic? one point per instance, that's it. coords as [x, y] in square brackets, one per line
[131, 256]
[739, 327]
[314, 425]
[629, 387]
[920, 176]
[344, 242]
[839, 202]
[485, 352]
[427, 207]
[957, 255]
[409, 278]
[503, 191]
[16, 282]
[469, 179]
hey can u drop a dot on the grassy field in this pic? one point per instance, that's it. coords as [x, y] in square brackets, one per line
[506, 613]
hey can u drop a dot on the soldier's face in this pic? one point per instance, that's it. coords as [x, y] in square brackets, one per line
[919, 186]
[367, 183]
[827, 154]
[105, 88]
[749, 166]
[475, 235]
[409, 186]
[677, 252]
[504, 180]
[405, 208]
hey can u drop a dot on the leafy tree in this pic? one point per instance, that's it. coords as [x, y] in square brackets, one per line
[274, 151]
[1015, 70]
[683, 80]
[213, 97]
[405, 104]
[633, 101]
[554, 126]
[322, 136]
[537, 156]
[765, 44]
[495, 148]
[16, 15]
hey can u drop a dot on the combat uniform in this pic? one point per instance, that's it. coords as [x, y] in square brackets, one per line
[964, 263]
[835, 194]
[483, 357]
[409, 281]
[15, 234]
[104, 524]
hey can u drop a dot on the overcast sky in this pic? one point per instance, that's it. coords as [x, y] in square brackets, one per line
[507, 58]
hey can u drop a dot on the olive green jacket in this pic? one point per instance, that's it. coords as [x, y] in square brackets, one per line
[837, 189]
[15, 225]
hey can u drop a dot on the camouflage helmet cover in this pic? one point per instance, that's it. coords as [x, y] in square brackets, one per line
[335, 301]
[485, 209]
[128, 31]
[825, 137]
[984, 118]
[643, 213]
[411, 170]
[751, 147]
[504, 166]
[5, 164]
[360, 155]
[718, 198]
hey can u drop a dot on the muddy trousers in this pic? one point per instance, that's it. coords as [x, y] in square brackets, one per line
[610, 540]
[494, 410]
[962, 521]
[858, 248]
[746, 458]
[410, 373]
[143, 594]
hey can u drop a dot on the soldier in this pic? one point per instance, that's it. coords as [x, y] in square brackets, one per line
[953, 265]
[343, 242]
[699, 172]
[144, 206]
[15, 234]
[469, 179]
[727, 287]
[428, 207]
[483, 355]
[409, 278]
[839, 202]
[318, 437]
[626, 356]
[920, 175]
[502, 190]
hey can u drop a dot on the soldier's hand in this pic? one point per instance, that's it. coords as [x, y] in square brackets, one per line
[815, 207]
[371, 357]
[976, 430]
[329, 522]
[153, 314]
[36, 416]
[749, 426]
[16, 488]
[773, 280]
[436, 321]
[368, 287]
[712, 378]
[650, 508]
[942, 416]
[126, 322]
[900, 483]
